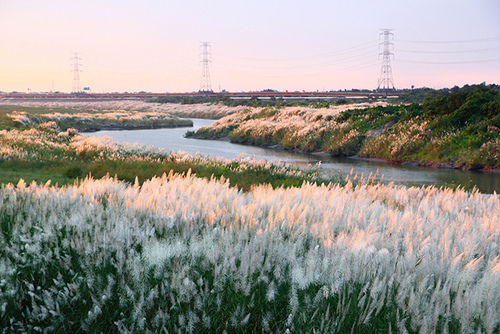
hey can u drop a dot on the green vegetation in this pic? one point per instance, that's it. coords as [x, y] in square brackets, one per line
[44, 154]
[63, 172]
[459, 129]
[243, 179]
[419, 95]
[12, 171]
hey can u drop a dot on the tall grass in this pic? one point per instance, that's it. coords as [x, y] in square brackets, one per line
[190, 255]
[174, 109]
[316, 129]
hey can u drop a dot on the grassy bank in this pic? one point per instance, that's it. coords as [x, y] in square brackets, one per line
[458, 130]
[44, 153]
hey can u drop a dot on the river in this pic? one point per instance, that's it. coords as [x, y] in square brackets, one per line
[173, 140]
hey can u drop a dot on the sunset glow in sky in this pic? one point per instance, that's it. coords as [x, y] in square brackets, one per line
[154, 45]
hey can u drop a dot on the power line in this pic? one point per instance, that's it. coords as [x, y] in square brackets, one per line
[352, 58]
[327, 62]
[462, 56]
[349, 51]
[451, 62]
[480, 40]
[450, 52]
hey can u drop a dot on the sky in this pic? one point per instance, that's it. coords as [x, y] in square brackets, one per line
[294, 45]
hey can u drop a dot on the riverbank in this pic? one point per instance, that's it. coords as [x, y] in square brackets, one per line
[325, 154]
[46, 153]
[459, 131]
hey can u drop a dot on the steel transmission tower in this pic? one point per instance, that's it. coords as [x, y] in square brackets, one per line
[385, 82]
[76, 74]
[205, 85]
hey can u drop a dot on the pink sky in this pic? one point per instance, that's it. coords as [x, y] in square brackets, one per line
[153, 45]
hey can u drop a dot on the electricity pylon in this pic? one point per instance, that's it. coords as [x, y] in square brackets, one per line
[76, 73]
[205, 85]
[385, 81]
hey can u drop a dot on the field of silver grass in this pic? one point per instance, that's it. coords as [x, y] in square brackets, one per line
[139, 107]
[190, 255]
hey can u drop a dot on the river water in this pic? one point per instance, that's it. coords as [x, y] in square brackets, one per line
[173, 140]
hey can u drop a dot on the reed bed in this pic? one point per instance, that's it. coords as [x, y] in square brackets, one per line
[182, 254]
[203, 110]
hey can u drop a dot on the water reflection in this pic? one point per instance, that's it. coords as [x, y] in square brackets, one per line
[173, 140]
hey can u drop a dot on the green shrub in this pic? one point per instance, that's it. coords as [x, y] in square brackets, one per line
[74, 172]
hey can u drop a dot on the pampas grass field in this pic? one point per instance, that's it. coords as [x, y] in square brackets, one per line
[182, 254]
